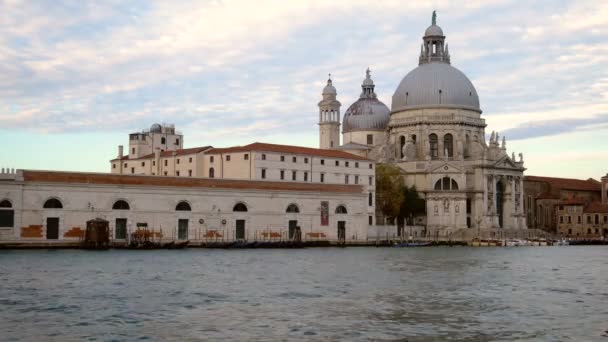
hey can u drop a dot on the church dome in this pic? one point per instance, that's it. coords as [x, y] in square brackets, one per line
[329, 89]
[435, 84]
[367, 113]
[155, 128]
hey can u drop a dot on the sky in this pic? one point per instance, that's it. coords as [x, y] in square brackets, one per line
[76, 77]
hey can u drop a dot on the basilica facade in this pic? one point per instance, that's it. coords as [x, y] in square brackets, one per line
[434, 132]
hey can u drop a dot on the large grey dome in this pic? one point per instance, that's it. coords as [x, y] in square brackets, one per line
[367, 113]
[435, 84]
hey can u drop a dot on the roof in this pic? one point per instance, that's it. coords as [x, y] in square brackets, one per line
[567, 183]
[181, 182]
[596, 207]
[264, 147]
[548, 195]
[180, 152]
[573, 201]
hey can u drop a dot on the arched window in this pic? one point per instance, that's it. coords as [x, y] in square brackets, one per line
[121, 205]
[341, 210]
[446, 184]
[434, 145]
[211, 172]
[183, 206]
[448, 145]
[52, 203]
[7, 214]
[240, 207]
[402, 143]
[292, 208]
[467, 143]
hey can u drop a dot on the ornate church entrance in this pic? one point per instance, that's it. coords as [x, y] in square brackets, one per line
[500, 189]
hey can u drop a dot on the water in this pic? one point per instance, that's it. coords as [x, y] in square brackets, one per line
[351, 294]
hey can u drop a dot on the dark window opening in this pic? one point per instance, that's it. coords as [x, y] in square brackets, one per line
[121, 205]
[292, 208]
[240, 207]
[52, 203]
[183, 206]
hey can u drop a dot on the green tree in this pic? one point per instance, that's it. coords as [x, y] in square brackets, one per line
[389, 193]
[411, 206]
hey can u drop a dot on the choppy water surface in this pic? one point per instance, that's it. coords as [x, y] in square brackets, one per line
[423, 294]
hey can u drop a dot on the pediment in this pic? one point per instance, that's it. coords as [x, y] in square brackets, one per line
[446, 168]
[505, 162]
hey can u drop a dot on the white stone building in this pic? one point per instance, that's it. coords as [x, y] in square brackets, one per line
[435, 134]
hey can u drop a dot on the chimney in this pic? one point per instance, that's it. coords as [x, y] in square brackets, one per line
[120, 151]
[605, 189]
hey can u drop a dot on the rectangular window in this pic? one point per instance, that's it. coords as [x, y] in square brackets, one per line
[370, 199]
[177, 160]
[189, 173]
[263, 173]
[246, 156]
[337, 163]
[370, 220]
[263, 157]
[357, 164]
[322, 161]
[228, 158]
[282, 174]
[356, 179]
[125, 165]
[133, 150]
[162, 140]
[177, 141]
[190, 160]
[345, 179]
[371, 166]
[166, 163]
[305, 160]
[154, 163]
[579, 220]
[293, 175]
[371, 180]
[322, 178]
[165, 173]
[132, 170]
[113, 166]
[306, 176]
[569, 219]
[294, 159]
[589, 219]
[370, 139]
[597, 219]
[177, 173]
[346, 164]
[282, 158]
[143, 163]
[211, 159]
[561, 219]
[605, 219]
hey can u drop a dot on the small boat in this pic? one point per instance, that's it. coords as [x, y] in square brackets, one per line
[412, 244]
[562, 242]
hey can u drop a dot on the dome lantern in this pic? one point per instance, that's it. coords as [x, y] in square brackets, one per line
[433, 50]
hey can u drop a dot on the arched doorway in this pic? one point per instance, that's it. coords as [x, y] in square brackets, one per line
[500, 190]
[341, 223]
[240, 223]
[52, 223]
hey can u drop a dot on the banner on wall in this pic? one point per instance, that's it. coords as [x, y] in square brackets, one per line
[324, 213]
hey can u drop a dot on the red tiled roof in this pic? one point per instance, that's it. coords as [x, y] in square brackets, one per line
[183, 182]
[263, 147]
[180, 152]
[567, 183]
[573, 201]
[596, 208]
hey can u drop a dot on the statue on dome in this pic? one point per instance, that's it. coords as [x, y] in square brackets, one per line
[434, 20]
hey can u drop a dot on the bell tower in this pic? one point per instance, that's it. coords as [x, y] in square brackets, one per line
[329, 118]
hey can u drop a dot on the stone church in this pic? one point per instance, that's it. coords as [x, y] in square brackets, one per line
[435, 134]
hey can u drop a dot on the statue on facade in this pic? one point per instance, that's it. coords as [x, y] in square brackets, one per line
[409, 150]
[521, 157]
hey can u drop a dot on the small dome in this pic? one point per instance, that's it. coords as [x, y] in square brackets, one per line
[329, 89]
[366, 114]
[435, 84]
[433, 30]
[156, 128]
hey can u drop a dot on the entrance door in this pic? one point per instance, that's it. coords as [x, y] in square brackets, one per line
[341, 230]
[240, 230]
[121, 229]
[292, 228]
[499, 202]
[182, 229]
[52, 228]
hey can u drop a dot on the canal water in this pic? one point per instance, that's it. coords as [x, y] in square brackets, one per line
[328, 294]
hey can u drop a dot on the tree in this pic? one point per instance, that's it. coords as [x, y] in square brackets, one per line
[411, 206]
[389, 193]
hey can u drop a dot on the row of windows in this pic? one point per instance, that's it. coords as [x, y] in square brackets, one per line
[591, 219]
[446, 184]
[305, 179]
[589, 231]
[143, 163]
[294, 159]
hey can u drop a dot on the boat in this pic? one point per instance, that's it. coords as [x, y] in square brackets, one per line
[562, 242]
[412, 244]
